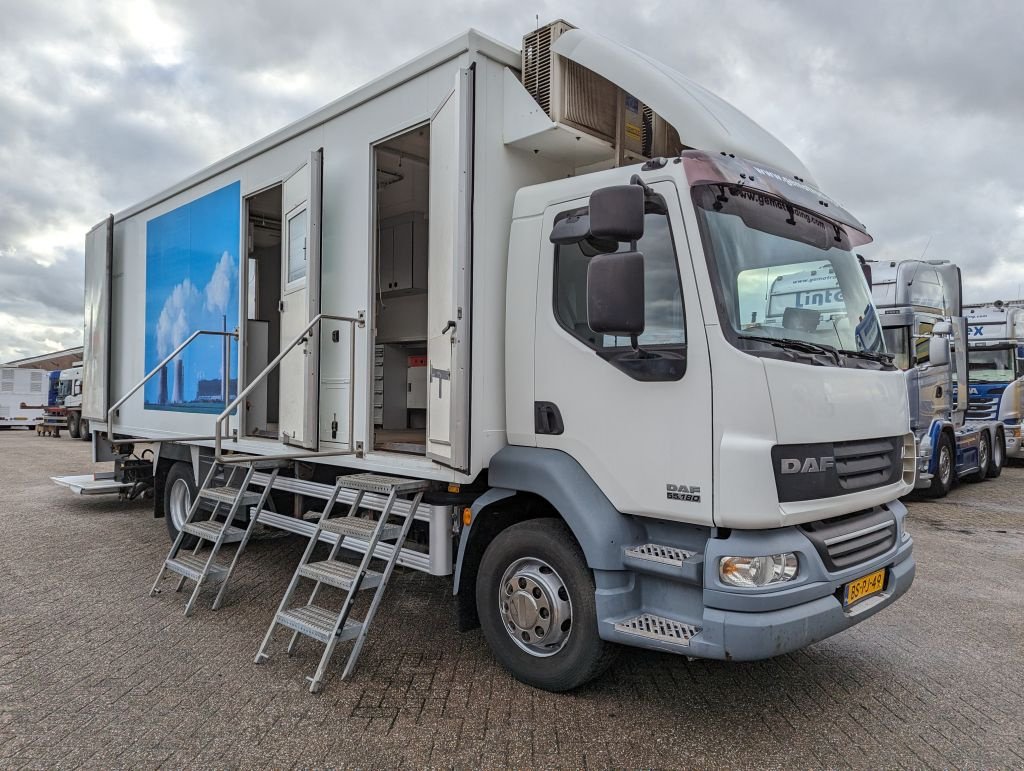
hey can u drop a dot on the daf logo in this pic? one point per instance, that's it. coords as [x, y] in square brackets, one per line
[807, 465]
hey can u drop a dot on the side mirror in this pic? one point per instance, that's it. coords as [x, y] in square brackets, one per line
[617, 212]
[942, 328]
[938, 350]
[615, 294]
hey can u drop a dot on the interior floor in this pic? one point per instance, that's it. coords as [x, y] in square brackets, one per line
[400, 307]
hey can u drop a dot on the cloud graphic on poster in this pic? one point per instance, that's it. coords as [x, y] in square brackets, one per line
[173, 325]
[218, 290]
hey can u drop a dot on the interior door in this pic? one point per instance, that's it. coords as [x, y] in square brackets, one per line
[99, 258]
[302, 205]
[448, 275]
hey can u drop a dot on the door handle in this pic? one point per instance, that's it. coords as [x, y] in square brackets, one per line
[449, 325]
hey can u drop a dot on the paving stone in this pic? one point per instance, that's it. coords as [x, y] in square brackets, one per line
[94, 673]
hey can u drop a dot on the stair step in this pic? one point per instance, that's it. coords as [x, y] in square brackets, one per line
[339, 574]
[192, 565]
[357, 527]
[381, 483]
[210, 531]
[665, 555]
[659, 628]
[228, 495]
[316, 622]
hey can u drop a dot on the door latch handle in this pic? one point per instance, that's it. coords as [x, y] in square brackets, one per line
[449, 325]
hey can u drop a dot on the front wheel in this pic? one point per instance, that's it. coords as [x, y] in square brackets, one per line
[998, 455]
[945, 468]
[74, 428]
[535, 599]
[83, 429]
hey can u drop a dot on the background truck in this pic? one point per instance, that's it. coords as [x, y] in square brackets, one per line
[465, 320]
[22, 396]
[920, 306]
[67, 402]
[995, 339]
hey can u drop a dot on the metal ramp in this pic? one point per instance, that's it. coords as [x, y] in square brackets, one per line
[332, 626]
[229, 492]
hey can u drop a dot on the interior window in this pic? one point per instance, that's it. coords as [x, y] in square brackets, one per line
[663, 313]
[297, 246]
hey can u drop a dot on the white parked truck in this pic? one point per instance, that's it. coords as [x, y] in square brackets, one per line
[487, 317]
[995, 338]
[23, 395]
[920, 306]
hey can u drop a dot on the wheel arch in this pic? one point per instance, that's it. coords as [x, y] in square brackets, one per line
[529, 483]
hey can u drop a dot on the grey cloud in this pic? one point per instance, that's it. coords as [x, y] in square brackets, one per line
[907, 113]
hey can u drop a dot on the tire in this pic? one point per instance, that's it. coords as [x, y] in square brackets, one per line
[179, 492]
[540, 559]
[943, 482]
[984, 458]
[998, 455]
[83, 429]
[74, 427]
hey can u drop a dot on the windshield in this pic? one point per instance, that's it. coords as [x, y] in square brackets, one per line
[897, 342]
[989, 365]
[784, 273]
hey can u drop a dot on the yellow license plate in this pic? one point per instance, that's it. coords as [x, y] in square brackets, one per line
[870, 584]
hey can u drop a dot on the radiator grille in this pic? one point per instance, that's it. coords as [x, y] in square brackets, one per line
[984, 406]
[868, 463]
[845, 542]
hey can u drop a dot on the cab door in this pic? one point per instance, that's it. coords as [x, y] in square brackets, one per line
[300, 302]
[643, 433]
[448, 275]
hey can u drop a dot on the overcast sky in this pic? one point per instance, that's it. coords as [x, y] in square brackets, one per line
[908, 113]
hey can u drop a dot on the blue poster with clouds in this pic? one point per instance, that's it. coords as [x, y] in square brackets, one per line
[192, 283]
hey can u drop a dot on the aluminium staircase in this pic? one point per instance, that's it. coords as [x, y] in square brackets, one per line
[230, 496]
[333, 626]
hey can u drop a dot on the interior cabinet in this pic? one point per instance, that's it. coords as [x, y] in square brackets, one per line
[402, 253]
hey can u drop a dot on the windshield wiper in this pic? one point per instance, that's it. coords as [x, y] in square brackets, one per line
[797, 345]
[879, 356]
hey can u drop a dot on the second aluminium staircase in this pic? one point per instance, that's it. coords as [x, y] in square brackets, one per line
[332, 626]
[231, 496]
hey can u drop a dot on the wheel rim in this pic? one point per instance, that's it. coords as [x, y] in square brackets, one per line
[945, 465]
[983, 454]
[180, 501]
[535, 607]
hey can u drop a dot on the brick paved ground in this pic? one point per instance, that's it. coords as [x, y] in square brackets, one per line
[93, 672]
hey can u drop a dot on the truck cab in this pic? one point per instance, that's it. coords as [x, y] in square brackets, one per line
[995, 348]
[920, 309]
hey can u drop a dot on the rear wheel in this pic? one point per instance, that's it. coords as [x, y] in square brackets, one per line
[74, 427]
[83, 429]
[945, 467]
[998, 455]
[984, 458]
[535, 599]
[179, 492]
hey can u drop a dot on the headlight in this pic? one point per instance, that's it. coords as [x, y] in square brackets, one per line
[750, 572]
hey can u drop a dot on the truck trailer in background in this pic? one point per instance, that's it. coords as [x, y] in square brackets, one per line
[920, 306]
[23, 395]
[475, 307]
[995, 339]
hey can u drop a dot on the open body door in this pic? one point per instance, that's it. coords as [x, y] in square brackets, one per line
[448, 275]
[302, 211]
[99, 260]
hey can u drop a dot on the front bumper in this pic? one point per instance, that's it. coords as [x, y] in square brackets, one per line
[740, 636]
[747, 625]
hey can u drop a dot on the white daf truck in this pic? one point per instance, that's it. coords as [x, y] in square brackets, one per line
[502, 298]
